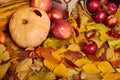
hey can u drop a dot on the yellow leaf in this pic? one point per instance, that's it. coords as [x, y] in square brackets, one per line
[4, 55]
[74, 47]
[81, 62]
[84, 19]
[23, 69]
[72, 72]
[80, 37]
[24, 65]
[105, 67]
[101, 29]
[111, 76]
[100, 52]
[60, 51]
[72, 22]
[114, 44]
[109, 54]
[117, 14]
[90, 68]
[97, 40]
[21, 75]
[61, 70]
[57, 54]
[3, 69]
[82, 29]
[2, 48]
[50, 64]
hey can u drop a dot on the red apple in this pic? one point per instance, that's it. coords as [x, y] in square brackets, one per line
[93, 5]
[55, 14]
[111, 21]
[61, 29]
[42, 4]
[100, 16]
[112, 8]
[2, 37]
[89, 47]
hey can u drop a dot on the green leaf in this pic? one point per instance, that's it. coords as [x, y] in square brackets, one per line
[56, 43]
[114, 44]
[51, 42]
[34, 77]
[43, 74]
[84, 20]
[101, 30]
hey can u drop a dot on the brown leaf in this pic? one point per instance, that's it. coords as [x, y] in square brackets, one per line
[23, 68]
[46, 53]
[24, 65]
[105, 46]
[93, 57]
[115, 63]
[71, 64]
[73, 54]
[27, 54]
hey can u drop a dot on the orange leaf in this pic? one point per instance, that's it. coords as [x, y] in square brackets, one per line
[46, 53]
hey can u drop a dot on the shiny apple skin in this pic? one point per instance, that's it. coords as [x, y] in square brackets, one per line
[61, 29]
[46, 5]
[89, 47]
[112, 8]
[93, 5]
[55, 14]
[111, 21]
[100, 16]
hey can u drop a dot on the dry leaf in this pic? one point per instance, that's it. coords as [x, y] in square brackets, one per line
[37, 65]
[82, 61]
[50, 64]
[3, 69]
[90, 68]
[4, 55]
[24, 65]
[105, 67]
[23, 68]
[111, 76]
[61, 70]
[117, 14]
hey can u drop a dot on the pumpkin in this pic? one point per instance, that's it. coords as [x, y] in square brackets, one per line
[29, 27]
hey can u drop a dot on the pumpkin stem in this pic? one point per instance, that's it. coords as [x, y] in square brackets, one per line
[24, 21]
